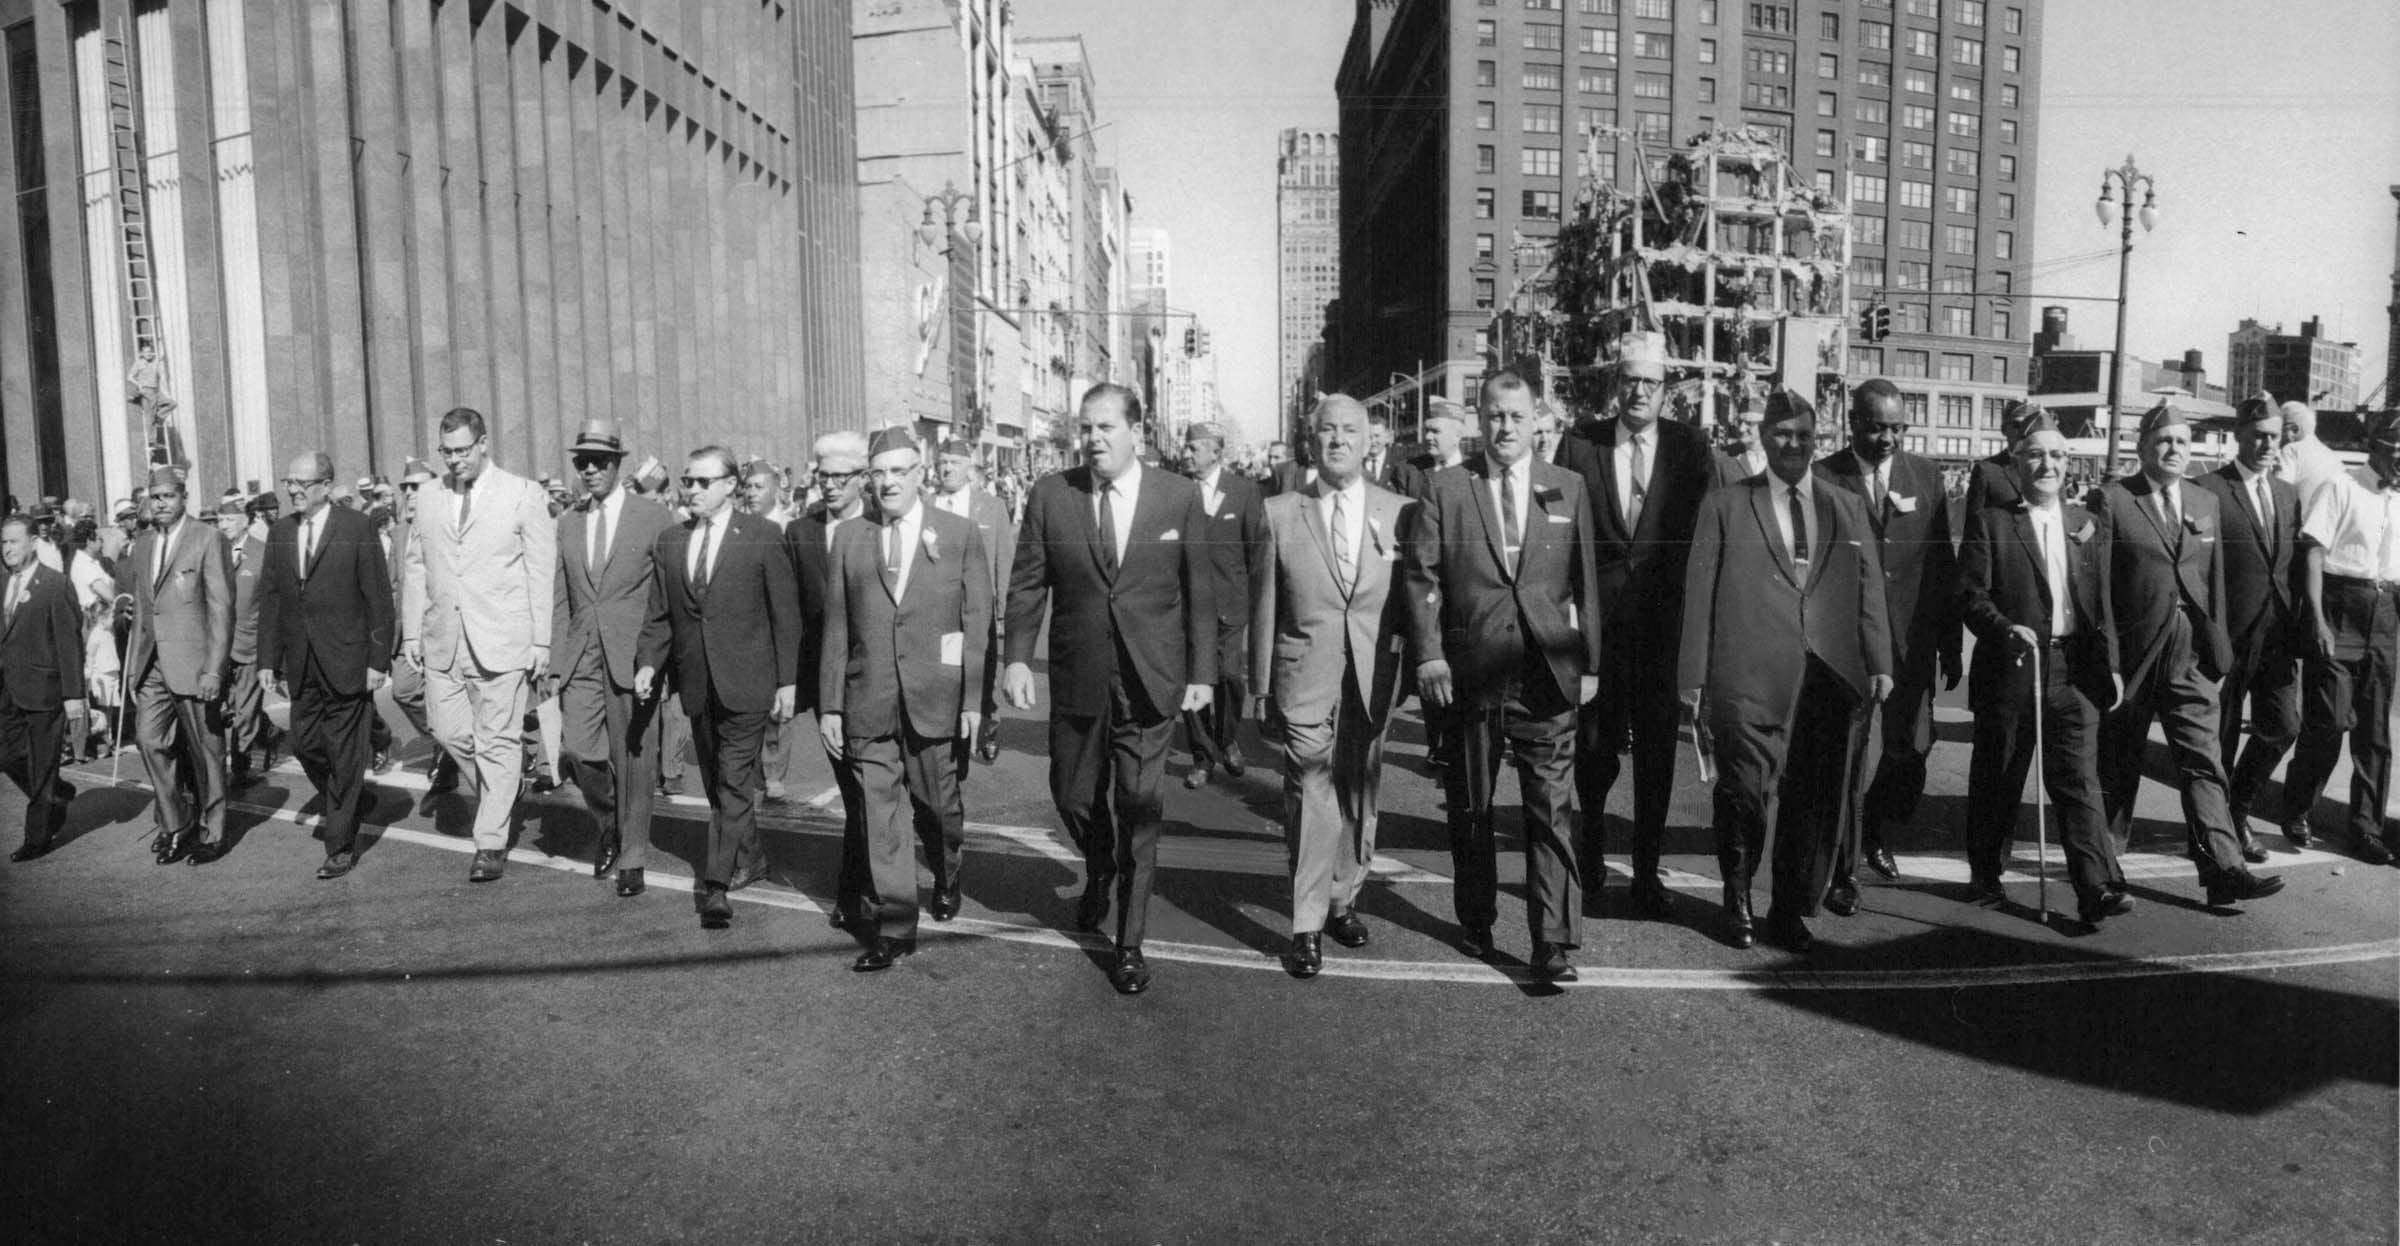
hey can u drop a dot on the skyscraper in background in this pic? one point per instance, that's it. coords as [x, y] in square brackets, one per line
[1308, 238]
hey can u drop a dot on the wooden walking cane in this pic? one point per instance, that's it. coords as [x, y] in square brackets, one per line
[2041, 778]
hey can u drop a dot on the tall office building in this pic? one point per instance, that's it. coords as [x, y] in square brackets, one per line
[333, 221]
[2391, 355]
[1308, 238]
[2295, 367]
[1464, 134]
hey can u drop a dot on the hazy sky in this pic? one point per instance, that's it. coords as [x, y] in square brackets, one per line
[2273, 131]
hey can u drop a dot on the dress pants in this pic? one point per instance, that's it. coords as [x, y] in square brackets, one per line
[29, 754]
[909, 782]
[1801, 771]
[608, 749]
[854, 878]
[1538, 724]
[1637, 694]
[1106, 771]
[2070, 778]
[2350, 692]
[728, 742]
[1212, 732]
[1332, 776]
[332, 738]
[408, 693]
[183, 747]
[674, 738]
[1905, 727]
[479, 716]
[246, 725]
[2177, 694]
[2266, 681]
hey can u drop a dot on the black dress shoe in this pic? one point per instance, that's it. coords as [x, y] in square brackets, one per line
[2369, 849]
[1880, 860]
[179, 846]
[29, 850]
[629, 882]
[2110, 904]
[1550, 963]
[945, 902]
[1789, 933]
[1740, 927]
[1092, 909]
[1986, 893]
[1306, 957]
[1649, 899]
[883, 953]
[746, 875]
[2234, 886]
[1131, 974]
[445, 775]
[605, 860]
[210, 853]
[1346, 929]
[838, 919]
[987, 739]
[1476, 941]
[337, 864]
[1841, 899]
[2297, 832]
[1195, 779]
[488, 864]
[716, 908]
[1232, 762]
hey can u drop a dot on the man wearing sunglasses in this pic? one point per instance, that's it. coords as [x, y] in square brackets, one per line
[475, 612]
[178, 662]
[731, 628]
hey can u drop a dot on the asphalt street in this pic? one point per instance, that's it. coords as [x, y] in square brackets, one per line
[242, 1053]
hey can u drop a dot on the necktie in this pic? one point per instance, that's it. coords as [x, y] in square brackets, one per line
[599, 542]
[1876, 492]
[1799, 526]
[2054, 565]
[1512, 536]
[16, 590]
[891, 557]
[237, 556]
[1108, 529]
[1640, 492]
[708, 531]
[1345, 558]
[2266, 507]
[466, 502]
[158, 565]
[2167, 507]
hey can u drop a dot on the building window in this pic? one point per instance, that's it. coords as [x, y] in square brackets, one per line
[2008, 130]
[1924, 8]
[1653, 86]
[1597, 8]
[1655, 10]
[1652, 127]
[1487, 34]
[1958, 239]
[1539, 205]
[1605, 170]
[1964, 161]
[1916, 116]
[1958, 367]
[1775, 17]
[1875, 36]
[1776, 132]
[1916, 194]
[1960, 199]
[1967, 51]
[1867, 230]
[1766, 95]
[1541, 77]
[1958, 410]
[1538, 162]
[2003, 327]
[1874, 74]
[1591, 119]
[1543, 38]
[1769, 61]
[1541, 118]
[1870, 149]
[1865, 188]
[2012, 21]
[1483, 247]
[1915, 155]
[1485, 291]
[1910, 363]
[1829, 27]
[1487, 158]
[2004, 245]
[1997, 373]
[1866, 361]
[1487, 73]
[1821, 181]
[1967, 12]
[1597, 81]
[1873, 112]
[1486, 200]
[1828, 143]
[1708, 12]
[2005, 281]
[1966, 124]
[1542, 6]
[1829, 104]
[1708, 90]
[2008, 95]
[1966, 90]
[1651, 45]
[1924, 43]
[1995, 410]
[1708, 51]
[1486, 116]
[1917, 81]
[1916, 235]
[1595, 41]
[1958, 321]
[2011, 60]
[1829, 67]
[1866, 271]
[1911, 275]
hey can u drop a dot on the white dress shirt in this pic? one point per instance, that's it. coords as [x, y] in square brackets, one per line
[2050, 532]
[911, 527]
[452, 496]
[960, 503]
[2354, 525]
[166, 542]
[1622, 456]
[1128, 489]
[1780, 495]
[1878, 482]
[312, 529]
[1210, 496]
[708, 534]
[2255, 486]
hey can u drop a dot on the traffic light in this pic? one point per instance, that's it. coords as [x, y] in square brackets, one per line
[1883, 321]
[1874, 322]
[1203, 343]
[1191, 341]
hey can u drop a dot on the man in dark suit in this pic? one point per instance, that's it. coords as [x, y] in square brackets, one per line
[959, 490]
[841, 473]
[908, 607]
[1236, 524]
[1384, 469]
[1786, 646]
[2263, 621]
[607, 591]
[1646, 478]
[1445, 441]
[325, 624]
[1909, 513]
[178, 663]
[1113, 552]
[2034, 586]
[731, 625]
[1504, 614]
[1329, 620]
[1993, 482]
[246, 725]
[41, 663]
[2167, 588]
[1749, 458]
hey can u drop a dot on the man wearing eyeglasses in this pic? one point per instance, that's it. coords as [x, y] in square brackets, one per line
[731, 629]
[841, 476]
[408, 683]
[325, 639]
[178, 665]
[475, 613]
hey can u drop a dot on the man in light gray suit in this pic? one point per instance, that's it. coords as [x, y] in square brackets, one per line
[1325, 656]
[178, 664]
[475, 617]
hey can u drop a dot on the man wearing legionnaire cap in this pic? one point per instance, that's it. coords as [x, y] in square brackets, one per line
[2350, 547]
[2167, 591]
[1782, 690]
[178, 662]
[2045, 643]
[1993, 481]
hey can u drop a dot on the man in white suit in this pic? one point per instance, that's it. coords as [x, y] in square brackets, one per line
[1323, 655]
[476, 612]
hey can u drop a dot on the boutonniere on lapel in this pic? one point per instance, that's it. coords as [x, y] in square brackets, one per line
[1902, 503]
[925, 538]
[1375, 530]
[2193, 525]
[1546, 499]
[2083, 532]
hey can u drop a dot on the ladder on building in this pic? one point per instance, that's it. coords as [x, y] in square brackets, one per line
[133, 232]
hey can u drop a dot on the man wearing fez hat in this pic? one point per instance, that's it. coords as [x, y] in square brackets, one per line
[2034, 588]
[908, 606]
[607, 588]
[2264, 621]
[178, 663]
[1783, 691]
[1993, 481]
[957, 489]
[1646, 477]
[2351, 571]
[2167, 589]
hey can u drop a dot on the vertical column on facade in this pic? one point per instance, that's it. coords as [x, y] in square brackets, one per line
[490, 36]
[384, 212]
[562, 211]
[462, 200]
[641, 223]
[426, 246]
[99, 263]
[79, 450]
[592, 219]
[616, 109]
[205, 388]
[339, 395]
[232, 165]
[20, 414]
[670, 280]
[687, 197]
[543, 411]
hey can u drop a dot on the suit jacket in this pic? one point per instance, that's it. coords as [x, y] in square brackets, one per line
[920, 655]
[1749, 616]
[183, 616]
[484, 594]
[1232, 537]
[1733, 469]
[1289, 475]
[608, 609]
[991, 519]
[1306, 633]
[1920, 565]
[249, 570]
[339, 614]
[725, 639]
[2004, 583]
[1642, 571]
[1398, 475]
[1992, 482]
[1158, 611]
[41, 645]
[1467, 605]
[1421, 482]
[2263, 567]
[2155, 571]
[804, 545]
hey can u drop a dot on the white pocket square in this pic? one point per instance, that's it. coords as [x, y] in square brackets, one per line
[1558, 518]
[1903, 503]
[1170, 534]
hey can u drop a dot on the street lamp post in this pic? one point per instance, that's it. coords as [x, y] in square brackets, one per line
[2123, 180]
[966, 273]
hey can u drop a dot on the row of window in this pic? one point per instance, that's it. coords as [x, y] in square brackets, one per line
[1778, 17]
[1656, 10]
